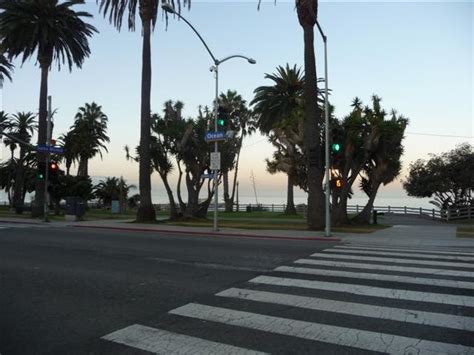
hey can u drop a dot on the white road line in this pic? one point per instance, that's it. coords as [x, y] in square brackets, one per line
[163, 342]
[420, 250]
[375, 267]
[351, 308]
[392, 260]
[410, 255]
[355, 338]
[380, 277]
[363, 290]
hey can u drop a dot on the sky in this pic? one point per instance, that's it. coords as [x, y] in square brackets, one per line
[417, 56]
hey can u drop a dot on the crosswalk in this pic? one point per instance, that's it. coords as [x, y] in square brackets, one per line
[350, 298]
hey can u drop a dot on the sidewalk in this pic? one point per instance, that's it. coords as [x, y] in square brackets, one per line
[409, 235]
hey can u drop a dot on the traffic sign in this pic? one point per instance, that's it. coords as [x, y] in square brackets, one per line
[43, 148]
[207, 176]
[56, 150]
[215, 161]
[215, 136]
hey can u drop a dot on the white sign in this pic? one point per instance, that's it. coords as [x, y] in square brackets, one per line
[215, 161]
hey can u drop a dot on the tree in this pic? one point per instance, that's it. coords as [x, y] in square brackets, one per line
[148, 11]
[307, 11]
[52, 31]
[69, 143]
[112, 189]
[279, 111]
[383, 164]
[89, 135]
[22, 126]
[448, 178]
[5, 69]
[241, 121]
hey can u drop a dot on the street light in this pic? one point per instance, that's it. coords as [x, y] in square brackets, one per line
[215, 68]
[326, 123]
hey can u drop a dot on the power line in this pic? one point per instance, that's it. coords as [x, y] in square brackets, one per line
[439, 135]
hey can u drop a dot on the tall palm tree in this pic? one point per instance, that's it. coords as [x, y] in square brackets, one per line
[69, 144]
[49, 30]
[279, 114]
[89, 133]
[148, 11]
[307, 11]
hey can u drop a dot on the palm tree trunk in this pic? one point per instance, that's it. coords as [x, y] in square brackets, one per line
[38, 206]
[290, 203]
[19, 182]
[312, 116]
[146, 211]
[83, 168]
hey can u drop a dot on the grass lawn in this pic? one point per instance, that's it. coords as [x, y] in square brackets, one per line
[255, 220]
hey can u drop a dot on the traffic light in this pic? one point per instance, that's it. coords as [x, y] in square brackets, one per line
[337, 152]
[41, 171]
[222, 119]
[53, 171]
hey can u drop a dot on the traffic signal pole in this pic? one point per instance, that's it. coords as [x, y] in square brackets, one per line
[216, 147]
[46, 173]
[326, 123]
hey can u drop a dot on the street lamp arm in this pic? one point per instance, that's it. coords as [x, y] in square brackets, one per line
[321, 31]
[250, 60]
[196, 32]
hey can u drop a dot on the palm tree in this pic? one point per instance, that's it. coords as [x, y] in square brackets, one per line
[22, 126]
[89, 133]
[5, 69]
[69, 156]
[279, 113]
[148, 11]
[50, 31]
[307, 11]
[112, 189]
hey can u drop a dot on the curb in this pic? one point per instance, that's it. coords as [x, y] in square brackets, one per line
[214, 234]
[22, 222]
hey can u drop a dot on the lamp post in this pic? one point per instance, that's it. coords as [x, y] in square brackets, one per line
[215, 68]
[326, 124]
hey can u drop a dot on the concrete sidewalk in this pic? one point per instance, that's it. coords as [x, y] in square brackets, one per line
[409, 235]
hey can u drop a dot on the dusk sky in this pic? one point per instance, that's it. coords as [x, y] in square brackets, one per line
[417, 56]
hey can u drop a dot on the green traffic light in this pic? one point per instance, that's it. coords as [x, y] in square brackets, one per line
[220, 122]
[336, 147]
[40, 177]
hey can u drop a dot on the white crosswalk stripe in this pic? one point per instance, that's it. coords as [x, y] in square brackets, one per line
[380, 277]
[376, 267]
[393, 260]
[408, 255]
[163, 342]
[335, 298]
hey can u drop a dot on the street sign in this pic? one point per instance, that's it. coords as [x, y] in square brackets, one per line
[207, 176]
[215, 161]
[42, 148]
[56, 150]
[215, 136]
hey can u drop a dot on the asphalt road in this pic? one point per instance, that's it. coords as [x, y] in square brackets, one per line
[61, 289]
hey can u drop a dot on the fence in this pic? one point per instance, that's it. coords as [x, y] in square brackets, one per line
[451, 214]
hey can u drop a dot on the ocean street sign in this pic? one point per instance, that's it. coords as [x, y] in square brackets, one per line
[215, 136]
[43, 148]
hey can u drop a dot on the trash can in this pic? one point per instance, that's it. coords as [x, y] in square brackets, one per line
[75, 208]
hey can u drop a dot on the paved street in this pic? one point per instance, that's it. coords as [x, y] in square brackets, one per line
[67, 290]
